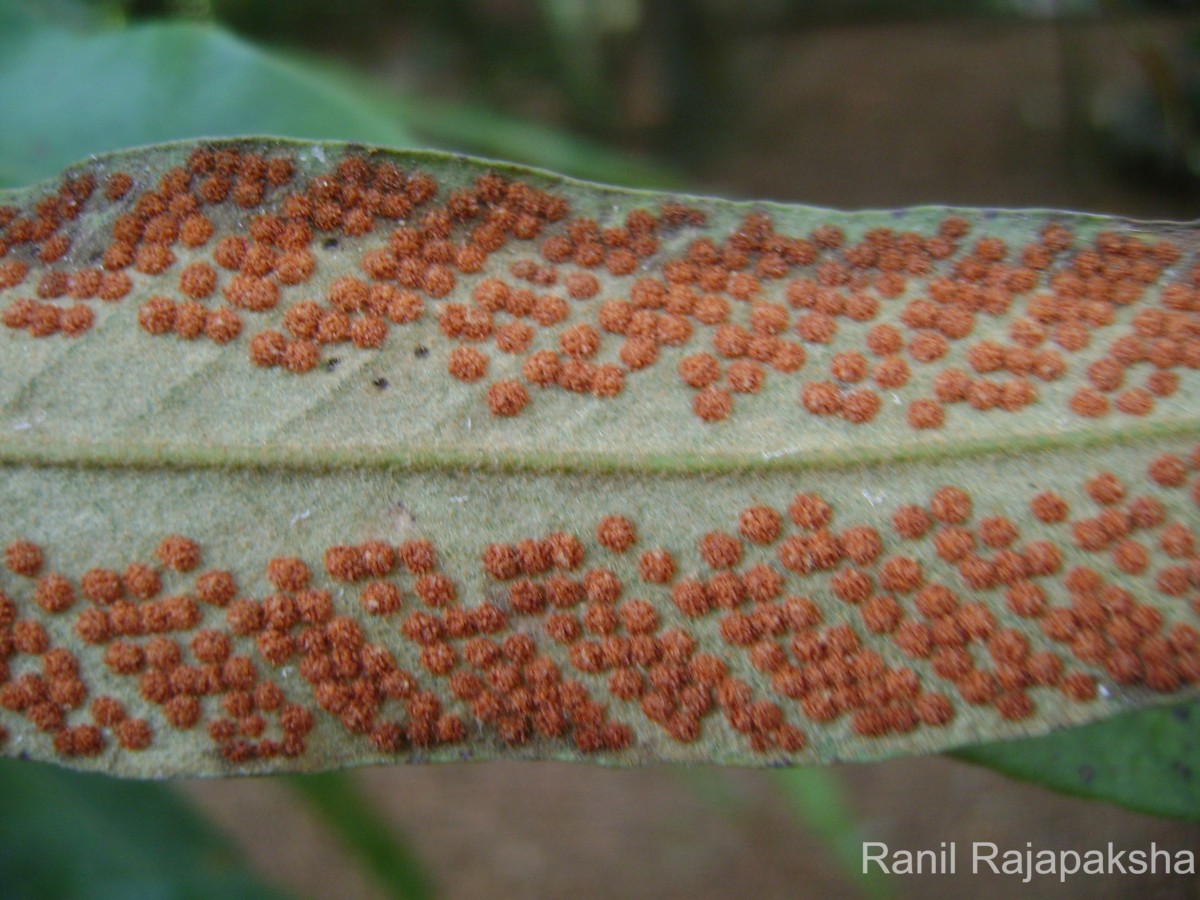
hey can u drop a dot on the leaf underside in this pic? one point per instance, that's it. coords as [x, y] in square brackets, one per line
[319, 455]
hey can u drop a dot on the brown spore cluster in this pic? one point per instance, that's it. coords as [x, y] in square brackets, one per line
[771, 627]
[235, 236]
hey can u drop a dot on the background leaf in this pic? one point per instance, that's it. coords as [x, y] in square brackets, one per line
[1144, 760]
[102, 86]
[71, 834]
[99, 90]
[341, 804]
[821, 804]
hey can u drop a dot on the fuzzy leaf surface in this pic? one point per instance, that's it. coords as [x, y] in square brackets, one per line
[498, 463]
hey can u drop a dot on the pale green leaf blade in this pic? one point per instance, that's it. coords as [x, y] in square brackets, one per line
[842, 548]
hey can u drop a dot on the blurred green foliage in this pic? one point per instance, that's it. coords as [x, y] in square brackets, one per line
[105, 88]
[1148, 761]
[67, 835]
[337, 799]
[107, 80]
[818, 797]
[658, 74]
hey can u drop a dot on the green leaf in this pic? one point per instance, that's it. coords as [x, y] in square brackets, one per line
[70, 834]
[142, 84]
[601, 474]
[355, 821]
[1143, 760]
[216, 84]
[821, 804]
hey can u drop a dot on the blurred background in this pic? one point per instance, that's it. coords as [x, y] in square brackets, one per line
[1087, 104]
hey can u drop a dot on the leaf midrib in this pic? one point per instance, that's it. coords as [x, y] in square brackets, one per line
[129, 455]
